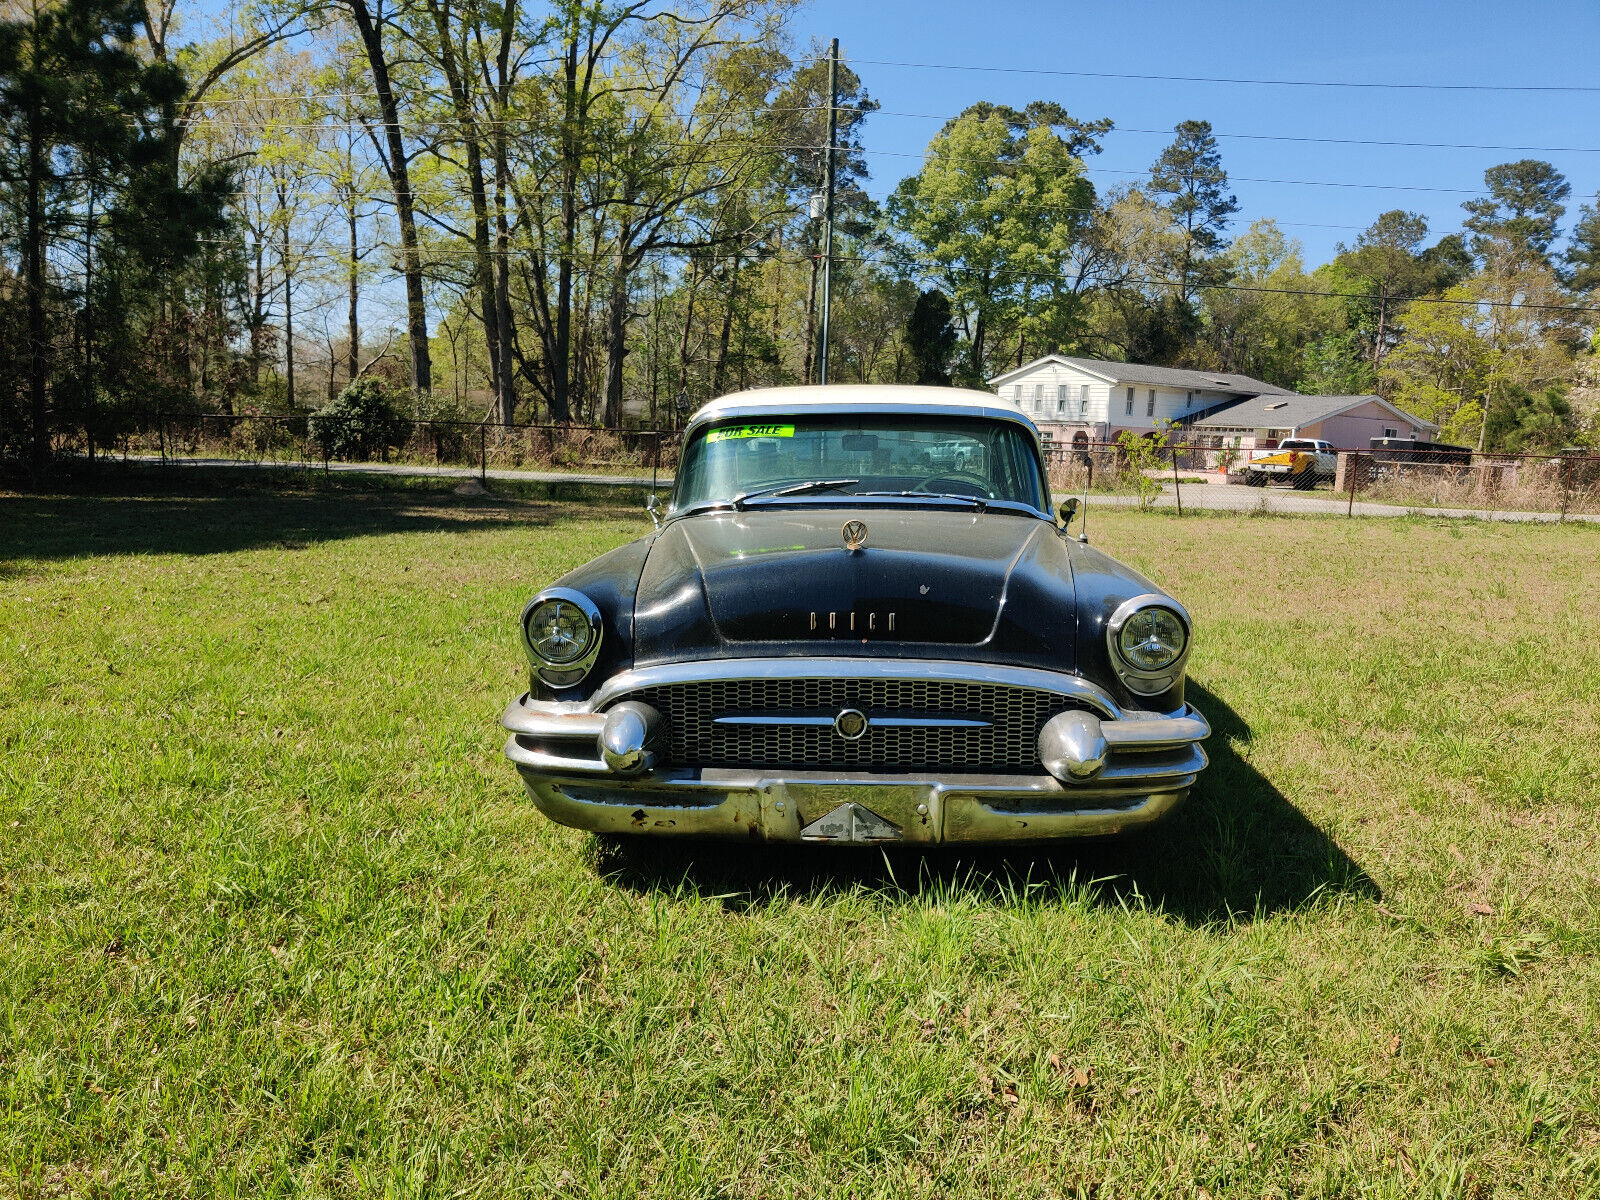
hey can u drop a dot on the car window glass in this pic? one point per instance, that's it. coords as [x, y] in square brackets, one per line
[965, 457]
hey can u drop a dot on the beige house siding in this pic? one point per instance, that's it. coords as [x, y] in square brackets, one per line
[1064, 401]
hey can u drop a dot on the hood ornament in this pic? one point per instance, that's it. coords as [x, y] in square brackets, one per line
[855, 534]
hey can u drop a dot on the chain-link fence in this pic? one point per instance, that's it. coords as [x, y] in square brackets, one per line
[1145, 473]
[319, 441]
[1382, 482]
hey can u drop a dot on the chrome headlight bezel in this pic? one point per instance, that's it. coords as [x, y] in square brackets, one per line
[572, 672]
[1143, 681]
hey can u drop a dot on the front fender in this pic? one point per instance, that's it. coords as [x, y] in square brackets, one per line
[612, 582]
[1103, 584]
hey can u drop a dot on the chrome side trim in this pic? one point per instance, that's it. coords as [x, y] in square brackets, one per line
[542, 722]
[927, 722]
[778, 720]
[1156, 733]
[716, 670]
[545, 763]
[879, 722]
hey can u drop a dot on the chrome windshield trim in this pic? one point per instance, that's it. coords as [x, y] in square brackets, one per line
[939, 500]
[849, 401]
[936, 670]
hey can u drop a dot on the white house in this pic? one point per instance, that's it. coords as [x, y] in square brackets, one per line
[1092, 400]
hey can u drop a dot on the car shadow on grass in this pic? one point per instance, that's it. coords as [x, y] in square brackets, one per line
[190, 514]
[1235, 850]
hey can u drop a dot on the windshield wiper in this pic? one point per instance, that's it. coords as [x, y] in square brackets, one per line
[978, 502]
[792, 489]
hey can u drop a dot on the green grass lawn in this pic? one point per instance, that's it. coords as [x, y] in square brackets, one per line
[276, 918]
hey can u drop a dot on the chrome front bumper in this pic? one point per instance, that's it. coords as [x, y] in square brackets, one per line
[1149, 762]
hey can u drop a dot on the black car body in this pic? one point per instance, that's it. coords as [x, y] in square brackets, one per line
[860, 621]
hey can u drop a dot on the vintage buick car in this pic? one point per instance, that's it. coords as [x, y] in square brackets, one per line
[857, 621]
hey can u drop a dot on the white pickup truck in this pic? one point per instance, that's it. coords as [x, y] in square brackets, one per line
[1302, 462]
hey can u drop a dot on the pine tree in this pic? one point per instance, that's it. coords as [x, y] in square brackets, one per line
[1515, 223]
[72, 95]
[1190, 182]
[1583, 251]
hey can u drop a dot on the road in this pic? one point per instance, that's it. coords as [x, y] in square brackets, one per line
[408, 469]
[1209, 496]
[1224, 497]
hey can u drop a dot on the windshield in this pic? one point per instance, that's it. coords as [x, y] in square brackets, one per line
[856, 455]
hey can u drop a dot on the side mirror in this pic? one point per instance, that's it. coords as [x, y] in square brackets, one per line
[652, 505]
[1067, 510]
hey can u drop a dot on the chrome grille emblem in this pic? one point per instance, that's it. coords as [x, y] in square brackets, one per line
[855, 534]
[850, 724]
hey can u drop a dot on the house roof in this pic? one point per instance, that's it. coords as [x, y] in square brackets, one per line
[1285, 410]
[1171, 377]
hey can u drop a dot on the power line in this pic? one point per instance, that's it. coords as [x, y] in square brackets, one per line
[431, 255]
[490, 123]
[1307, 83]
[1392, 187]
[1284, 137]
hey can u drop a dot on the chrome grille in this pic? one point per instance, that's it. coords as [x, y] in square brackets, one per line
[1007, 744]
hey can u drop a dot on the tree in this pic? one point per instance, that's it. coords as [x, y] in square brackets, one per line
[1336, 365]
[1583, 250]
[1262, 329]
[798, 123]
[397, 164]
[1443, 366]
[931, 338]
[1514, 225]
[454, 35]
[77, 104]
[1190, 182]
[1387, 267]
[995, 216]
[1544, 423]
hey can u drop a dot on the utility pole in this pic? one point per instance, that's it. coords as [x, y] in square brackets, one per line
[827, 229]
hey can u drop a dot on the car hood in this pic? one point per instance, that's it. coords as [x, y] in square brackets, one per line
[996, 584]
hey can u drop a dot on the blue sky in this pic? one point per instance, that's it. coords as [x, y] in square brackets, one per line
[1461, 43]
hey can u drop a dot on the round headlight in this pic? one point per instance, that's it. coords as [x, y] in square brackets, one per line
[1152, 639]
[562, 629]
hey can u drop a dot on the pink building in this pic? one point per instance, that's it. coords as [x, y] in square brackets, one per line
[1093, 400]
[1349, 422]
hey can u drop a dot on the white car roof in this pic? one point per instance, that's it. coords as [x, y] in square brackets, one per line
[861, 398]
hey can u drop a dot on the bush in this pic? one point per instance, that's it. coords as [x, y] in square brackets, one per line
[365, 419]
[1140, 457]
